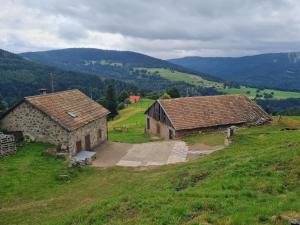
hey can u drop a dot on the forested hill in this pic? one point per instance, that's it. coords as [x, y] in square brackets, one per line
[274, 70]
[20, 77]
[70, 56]
[111, 63]
[131, 67]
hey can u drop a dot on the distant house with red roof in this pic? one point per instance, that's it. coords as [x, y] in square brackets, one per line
[134, 98]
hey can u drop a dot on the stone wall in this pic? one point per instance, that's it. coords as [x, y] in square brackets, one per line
[33, 122]
[91, 129]
[164, 129]
[7, 145]
[182, 133]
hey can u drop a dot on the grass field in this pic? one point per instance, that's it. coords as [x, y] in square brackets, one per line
[295, 117]
[211, 139]
[133, 119]
[253, 181]
[185, 77]
[251, 92]
[198, 81]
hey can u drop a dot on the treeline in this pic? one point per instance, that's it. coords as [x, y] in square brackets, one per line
[20, 77]
[120, 65]
[289, 107]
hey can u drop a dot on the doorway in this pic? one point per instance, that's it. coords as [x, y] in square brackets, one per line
[78, 146]
[158, 129]
[170, 134]
[87, 142]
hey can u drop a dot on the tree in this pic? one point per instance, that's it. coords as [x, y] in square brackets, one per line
[123, 96]
[165, 96]
[173, 92]
[152, 95]
[111, 93]
[110, 101]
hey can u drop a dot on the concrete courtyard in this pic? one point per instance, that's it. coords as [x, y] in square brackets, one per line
[148, 154]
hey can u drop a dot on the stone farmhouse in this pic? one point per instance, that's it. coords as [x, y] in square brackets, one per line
[174, 118]
[68, 118]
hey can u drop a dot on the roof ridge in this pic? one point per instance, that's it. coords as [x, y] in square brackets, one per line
[53, 93]
[203, 96]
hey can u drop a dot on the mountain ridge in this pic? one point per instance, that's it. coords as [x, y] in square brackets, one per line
[270, 70]
[20, 77]
[129, 58]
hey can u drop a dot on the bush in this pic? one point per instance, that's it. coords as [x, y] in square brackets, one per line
[121, 106]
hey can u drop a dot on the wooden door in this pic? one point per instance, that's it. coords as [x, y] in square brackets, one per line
[170, 134]
[78, 146]
[148, 123]
[158, 128]
[87, 143]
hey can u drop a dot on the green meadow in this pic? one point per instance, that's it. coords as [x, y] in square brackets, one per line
[198, 81]
[174, 75]
[251, 92]
[129, 125]
[253, 181]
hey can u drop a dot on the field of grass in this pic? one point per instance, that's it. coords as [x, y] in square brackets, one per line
[185, 77]
[212, 139]
[198, 81]
[295, 117]
[253, 181]
[251, 92]
[133, 120]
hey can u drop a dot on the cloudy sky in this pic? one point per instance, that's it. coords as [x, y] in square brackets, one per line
[161, 28]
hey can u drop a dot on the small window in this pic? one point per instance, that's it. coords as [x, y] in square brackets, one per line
[99, 134]
[72, 114]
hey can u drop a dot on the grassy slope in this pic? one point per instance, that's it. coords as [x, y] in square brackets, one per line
[251, 182]
[211, 139]
[196, 80]
[134, 119]
[188, 78]
[277, 94]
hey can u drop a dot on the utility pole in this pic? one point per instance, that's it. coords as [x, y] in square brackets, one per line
[52, 82]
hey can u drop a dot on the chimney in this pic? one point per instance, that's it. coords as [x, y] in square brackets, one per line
[43, 91]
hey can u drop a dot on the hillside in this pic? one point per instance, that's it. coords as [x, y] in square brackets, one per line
[20, 77]
[121, 65]
[249, 182]
[275, 70]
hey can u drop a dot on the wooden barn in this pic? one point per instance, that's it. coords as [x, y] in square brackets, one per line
[173, 118]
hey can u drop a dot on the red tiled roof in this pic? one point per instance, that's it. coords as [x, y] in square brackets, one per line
[208, 111]
[134, 98]
[71, 109]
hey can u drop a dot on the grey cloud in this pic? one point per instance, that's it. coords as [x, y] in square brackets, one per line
[167, 28]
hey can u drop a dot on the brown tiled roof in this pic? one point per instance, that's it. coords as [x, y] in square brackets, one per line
[208, 111]
[71, 109]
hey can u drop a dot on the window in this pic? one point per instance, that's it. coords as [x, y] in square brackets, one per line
[72, 114]
[99, 134]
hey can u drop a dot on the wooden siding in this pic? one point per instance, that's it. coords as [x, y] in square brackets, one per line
[158, 113]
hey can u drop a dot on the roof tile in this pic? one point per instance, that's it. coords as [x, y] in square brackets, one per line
[208, 111]
[71, 109]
